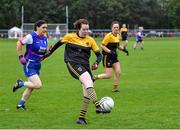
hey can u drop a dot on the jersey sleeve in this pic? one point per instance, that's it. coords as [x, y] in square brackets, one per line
[141, 34]
[27, 40]
[120, 30]
[65, 39]
[95, 47]
[105, 40]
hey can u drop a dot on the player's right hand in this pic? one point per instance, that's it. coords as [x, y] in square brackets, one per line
[94, 66]
[113, 53]
[22, 59]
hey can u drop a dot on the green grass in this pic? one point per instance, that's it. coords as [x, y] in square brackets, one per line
[149, 94]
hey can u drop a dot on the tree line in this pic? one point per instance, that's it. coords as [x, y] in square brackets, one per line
[100, 13]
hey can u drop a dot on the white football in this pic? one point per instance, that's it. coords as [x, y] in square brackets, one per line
[106, 103]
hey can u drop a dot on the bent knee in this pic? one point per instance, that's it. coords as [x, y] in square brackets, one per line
[118, 73]
[38, 85]
[108, 75]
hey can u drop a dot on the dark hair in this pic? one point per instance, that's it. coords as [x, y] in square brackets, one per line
[39, 23]
[114, 22]
[77, 24]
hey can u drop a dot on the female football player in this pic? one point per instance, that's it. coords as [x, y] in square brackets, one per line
[36, 46]
[109, 46]
[124, 34]
[76, 56]
[139, 39]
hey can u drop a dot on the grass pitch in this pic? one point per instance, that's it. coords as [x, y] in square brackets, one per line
[149, 94]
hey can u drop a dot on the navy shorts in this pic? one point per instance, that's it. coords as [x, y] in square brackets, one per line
[32, 68]
[139, 40]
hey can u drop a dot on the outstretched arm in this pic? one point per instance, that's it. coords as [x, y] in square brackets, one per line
[53, 48]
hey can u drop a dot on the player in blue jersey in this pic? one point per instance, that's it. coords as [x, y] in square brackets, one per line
[36, 46]
[139, 39]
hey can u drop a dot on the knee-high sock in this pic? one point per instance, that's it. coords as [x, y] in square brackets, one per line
[92, 95]
[84, 107]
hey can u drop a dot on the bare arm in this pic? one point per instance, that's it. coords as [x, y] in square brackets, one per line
[19, 48]
[105, 49]
[121, 48]
[19, 51]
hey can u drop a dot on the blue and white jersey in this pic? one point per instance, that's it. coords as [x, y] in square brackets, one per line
[36, 46]
[139, 36]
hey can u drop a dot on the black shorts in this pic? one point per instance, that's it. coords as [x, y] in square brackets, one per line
[109, 60]
[76, 69]
[124, 38]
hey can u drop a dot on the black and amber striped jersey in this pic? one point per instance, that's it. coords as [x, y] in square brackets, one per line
[77, 49]
[111, 42]
[123, 32]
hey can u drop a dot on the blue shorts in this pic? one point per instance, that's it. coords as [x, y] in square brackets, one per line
[139, 40]
[32, 68]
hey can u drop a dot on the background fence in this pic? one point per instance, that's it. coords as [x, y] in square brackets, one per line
[102, 32]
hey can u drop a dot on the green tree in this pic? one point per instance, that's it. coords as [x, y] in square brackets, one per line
[100, 13]
[53, 11]
[173, 11]
[10, 13]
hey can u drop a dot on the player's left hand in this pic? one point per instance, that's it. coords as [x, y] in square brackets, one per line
[48, 52]
[49, 49]
[94, 66]
[127, 53]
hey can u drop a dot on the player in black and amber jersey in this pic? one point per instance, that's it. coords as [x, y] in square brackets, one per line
[76, 56]
[124, 35]
[109, 46]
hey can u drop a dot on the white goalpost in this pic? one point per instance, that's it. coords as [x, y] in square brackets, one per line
[55, 30]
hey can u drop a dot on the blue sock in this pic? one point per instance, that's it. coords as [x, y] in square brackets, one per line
[21, 102]
[21, 83]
